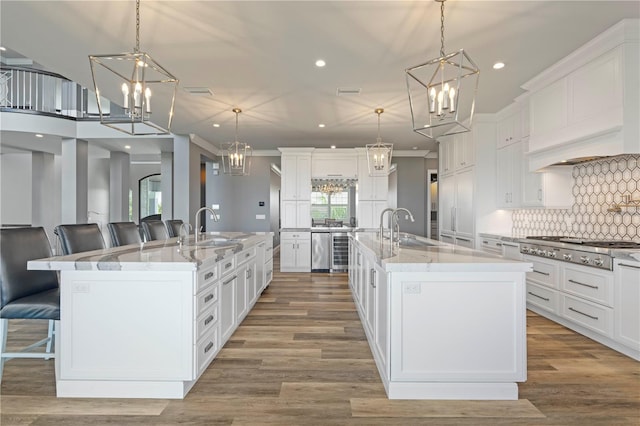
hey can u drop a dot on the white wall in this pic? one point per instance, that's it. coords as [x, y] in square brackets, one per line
[98, 196]
[15, 189]
[137, 172]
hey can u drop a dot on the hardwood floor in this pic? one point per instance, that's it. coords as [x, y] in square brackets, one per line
[301, 357]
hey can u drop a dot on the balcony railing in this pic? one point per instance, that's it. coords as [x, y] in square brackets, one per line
[40, 92]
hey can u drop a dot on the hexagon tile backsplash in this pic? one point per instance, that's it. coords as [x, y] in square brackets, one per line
[596, 187]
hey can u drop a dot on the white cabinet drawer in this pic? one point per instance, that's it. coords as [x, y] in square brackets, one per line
[227, 265]
[544, 272]
[590, 315]
[591, 284]
[206, 277]
[206, 350]
[542, 297]
[206, 321]
[207, 298]
[245, 255]
[295, 236]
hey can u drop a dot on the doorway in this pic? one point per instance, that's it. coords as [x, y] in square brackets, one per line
[431, 226]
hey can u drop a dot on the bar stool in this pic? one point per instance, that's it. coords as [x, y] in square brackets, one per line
[26, 294]
[173, 227]
[79, 237]
[123, 233]
[154, 230]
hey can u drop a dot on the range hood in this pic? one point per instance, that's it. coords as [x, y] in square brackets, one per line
[577, 151]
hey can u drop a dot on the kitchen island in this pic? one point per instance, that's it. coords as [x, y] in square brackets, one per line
[442, 321]
[144, 321]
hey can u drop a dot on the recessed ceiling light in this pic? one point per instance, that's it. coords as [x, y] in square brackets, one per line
[127, 147]
[415, 147]
[498, 65]
[320, 63]
[321, 125]
[333, 147]
[216, 125]
[2, 48]
[38, 135]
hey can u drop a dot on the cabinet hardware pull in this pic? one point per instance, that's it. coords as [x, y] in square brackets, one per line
[629, 266]
[208, 297]
[373, 278]
[208, 320]
[498, 244]
[582, 313]
[228, 265]
[539, 297]
[463, 239]
[541, 273]
[338, 174]
[208, 347]
[229, 280]
[208, 275]
[583, 284]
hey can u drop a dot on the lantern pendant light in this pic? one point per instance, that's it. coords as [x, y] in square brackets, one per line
[379, 154]
[134, 78]
[442, 91]
[236, 156]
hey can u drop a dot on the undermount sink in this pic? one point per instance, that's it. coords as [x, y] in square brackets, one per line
[218, 242]
[414, 243]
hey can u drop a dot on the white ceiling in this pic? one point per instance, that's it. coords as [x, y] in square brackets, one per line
[260, 56]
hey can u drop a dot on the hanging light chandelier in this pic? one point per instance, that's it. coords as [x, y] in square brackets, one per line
[379, 154]
[236, 156]
[442, 91]
[134, 77]
[331, 186]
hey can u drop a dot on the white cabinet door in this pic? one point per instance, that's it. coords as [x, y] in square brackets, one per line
[288, 250]
[228, 306]
[289, 214]
[382, 316]
[465, 150]
[627, 303]
[334, 166]
[370, 296]
[303, 213]
[369, 213]
[289, 177]
[446, 192]
[252, 278]
[303, 255]
[464, 211]
[509, 176]
[509, 129]
[446, 153]
[379, 188]
[241, 294]
[304, 178]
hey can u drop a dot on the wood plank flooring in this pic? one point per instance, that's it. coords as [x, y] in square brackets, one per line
[301, 357]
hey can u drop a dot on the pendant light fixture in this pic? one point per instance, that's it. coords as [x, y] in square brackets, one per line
[379, 154]
[236, 156]
[442, 91]
[134, 78]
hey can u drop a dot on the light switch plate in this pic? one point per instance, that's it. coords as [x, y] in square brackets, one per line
[261, 216]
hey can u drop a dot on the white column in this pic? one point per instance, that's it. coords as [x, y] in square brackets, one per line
[119, 171]
[45, 209]
[166, 184]
[75, 172]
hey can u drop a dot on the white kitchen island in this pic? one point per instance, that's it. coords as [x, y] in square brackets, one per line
[144, 321]
[443, 322]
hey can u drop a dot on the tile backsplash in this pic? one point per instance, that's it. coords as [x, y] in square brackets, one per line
[596, 186]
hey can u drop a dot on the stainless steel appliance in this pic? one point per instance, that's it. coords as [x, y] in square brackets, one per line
[339, 252]
[595, 253]
[320, 250]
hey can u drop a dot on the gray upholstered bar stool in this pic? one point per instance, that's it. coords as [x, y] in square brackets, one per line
[26, 294]
[154, 230]
[173, 227]
[123, 233]
[77, 238]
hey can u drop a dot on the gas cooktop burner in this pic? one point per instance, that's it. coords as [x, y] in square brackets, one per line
[590, 243]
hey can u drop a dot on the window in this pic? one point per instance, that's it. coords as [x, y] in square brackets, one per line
[330, 206]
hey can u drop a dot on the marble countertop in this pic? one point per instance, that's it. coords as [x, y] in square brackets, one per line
[160, 255]
[425, 255]
[513, 238]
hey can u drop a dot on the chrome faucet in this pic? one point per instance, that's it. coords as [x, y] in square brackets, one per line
[394, 222]
[200, 210]
[388, 209]
[183, 234]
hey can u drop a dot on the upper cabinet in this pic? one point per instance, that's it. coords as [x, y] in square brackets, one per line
[587, 104]
[336, 164]
[456, 152]
[296, 176]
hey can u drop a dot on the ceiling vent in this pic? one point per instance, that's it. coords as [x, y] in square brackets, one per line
[199, 91]
[348, 91]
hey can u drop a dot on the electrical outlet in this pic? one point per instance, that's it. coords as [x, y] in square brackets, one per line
[412, 288]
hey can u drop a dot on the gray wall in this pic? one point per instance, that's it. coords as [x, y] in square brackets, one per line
[15, 189]
[274, 200]
[412, 195]
[239, 198]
